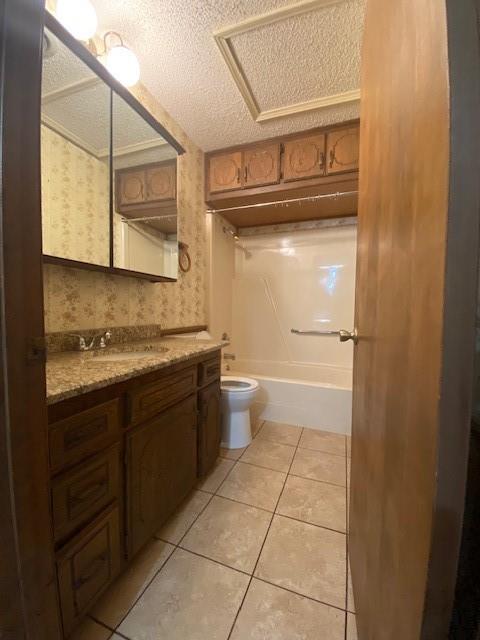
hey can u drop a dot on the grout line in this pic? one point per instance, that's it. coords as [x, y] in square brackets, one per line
[333, 484]
[312, 524]
[301, 595]
[201, 555]
[263, 544]
[328, 453]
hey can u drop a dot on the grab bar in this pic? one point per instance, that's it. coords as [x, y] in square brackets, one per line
[342, 334]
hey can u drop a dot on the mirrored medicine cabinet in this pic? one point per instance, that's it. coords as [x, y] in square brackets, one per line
[108, 169]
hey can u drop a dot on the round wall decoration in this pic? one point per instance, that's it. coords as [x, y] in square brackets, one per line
[184, 260]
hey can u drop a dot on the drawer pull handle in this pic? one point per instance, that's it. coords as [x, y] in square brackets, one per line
[88, 493]
[91, 571]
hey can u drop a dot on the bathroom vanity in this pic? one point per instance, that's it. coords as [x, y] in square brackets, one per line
[127, 439]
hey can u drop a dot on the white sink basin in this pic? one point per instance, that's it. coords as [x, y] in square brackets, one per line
[128, 355]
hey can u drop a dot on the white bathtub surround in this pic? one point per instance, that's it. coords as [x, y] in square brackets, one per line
[305, 280]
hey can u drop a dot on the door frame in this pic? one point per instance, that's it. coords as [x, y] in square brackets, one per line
[28, 583]
[460, 310]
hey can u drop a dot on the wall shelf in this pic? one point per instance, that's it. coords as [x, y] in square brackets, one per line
[114, 271]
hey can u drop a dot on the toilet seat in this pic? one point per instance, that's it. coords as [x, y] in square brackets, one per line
[237, 384]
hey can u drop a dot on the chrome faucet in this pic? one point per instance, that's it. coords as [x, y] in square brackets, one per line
[82, 342]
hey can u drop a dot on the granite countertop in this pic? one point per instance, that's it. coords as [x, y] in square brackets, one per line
[73, 373]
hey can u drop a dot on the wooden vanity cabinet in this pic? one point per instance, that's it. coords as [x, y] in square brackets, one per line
[122, 459]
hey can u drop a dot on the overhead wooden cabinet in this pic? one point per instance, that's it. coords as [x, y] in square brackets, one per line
[294, 167]
[142, 187]
[261, 165]
[225, 172]
[342, 150]
[304, 157]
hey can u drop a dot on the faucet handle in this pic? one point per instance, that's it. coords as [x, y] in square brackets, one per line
[82, 345]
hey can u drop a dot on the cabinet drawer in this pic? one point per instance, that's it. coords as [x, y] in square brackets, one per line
[209, 371]
[81, 493]
[87, 567]
[148, 401]
[77, 436]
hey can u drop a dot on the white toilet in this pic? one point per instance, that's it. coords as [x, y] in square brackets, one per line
[238, 395]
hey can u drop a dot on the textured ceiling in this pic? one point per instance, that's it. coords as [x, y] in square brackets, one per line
[303, 58]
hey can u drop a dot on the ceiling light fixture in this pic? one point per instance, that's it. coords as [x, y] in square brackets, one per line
[77, 16]
[120, 60]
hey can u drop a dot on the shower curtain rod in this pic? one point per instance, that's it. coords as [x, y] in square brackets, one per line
[337, 194]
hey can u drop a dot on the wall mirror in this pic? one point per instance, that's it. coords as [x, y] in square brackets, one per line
[75, 158]
[145, 190]
[109, 170]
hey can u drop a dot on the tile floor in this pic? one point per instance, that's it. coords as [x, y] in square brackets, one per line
[257, 552]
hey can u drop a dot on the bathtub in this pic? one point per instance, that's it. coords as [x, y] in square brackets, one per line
[315, 396]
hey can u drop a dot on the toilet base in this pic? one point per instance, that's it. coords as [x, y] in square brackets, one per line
[236, 429]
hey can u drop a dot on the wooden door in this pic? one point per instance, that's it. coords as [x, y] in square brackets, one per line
[209, 430]
[161, 182]
[342, 150]
[131, 188]
[225, 172]
[304, 157]
[161, 469]
[29, 606]
[415, 314]
[261, 165]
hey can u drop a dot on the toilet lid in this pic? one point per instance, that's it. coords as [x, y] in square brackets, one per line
[234, 383]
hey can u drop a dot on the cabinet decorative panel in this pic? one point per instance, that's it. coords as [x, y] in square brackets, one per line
[342, 150]
[82, 492]
[131, 188]
[82, 434]
[87, 566]
[304, 157]
[147, 401]
[161, 469]
[161, 183]
[209, 432]
[261, 165]
[225, 172]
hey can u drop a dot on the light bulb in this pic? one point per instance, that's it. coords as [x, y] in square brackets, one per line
[78, 17]
[123, 65]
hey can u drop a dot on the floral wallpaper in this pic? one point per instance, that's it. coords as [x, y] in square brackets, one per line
[77, 299]
[75, 201]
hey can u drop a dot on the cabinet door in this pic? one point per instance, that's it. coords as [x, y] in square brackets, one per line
[225, 172]
[87, 566]
[304, 158]
[342, 150]
[261, 165]
[161, 183]
[209, 432]
[131, 188]
[161, 469]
